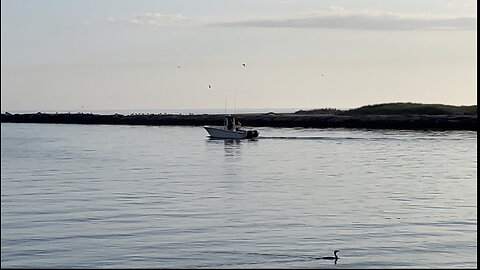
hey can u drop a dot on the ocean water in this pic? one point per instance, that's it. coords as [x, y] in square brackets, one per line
[99, 196]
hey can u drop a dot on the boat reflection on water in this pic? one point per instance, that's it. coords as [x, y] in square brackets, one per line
[232, 147]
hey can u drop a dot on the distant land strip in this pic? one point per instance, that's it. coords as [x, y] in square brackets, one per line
[408, 122]
[409, 116]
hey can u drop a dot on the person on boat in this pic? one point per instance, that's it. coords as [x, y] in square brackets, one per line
[230, 123]
[238, 125]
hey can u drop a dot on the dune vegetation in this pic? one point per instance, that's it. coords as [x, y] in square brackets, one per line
[399, 108]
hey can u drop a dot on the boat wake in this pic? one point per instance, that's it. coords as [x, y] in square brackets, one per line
[314, 138]
[326, 138]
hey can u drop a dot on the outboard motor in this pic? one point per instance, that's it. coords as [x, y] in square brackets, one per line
[252, 134]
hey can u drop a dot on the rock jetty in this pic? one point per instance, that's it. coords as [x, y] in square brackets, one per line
[405, 121]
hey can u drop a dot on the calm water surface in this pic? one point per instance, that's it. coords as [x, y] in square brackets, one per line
[98, 196]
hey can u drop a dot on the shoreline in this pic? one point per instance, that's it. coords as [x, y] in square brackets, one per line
[404, 121]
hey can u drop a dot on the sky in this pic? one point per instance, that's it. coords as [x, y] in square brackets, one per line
[86, 55]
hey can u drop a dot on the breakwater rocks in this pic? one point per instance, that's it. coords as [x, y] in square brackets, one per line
[409, 122]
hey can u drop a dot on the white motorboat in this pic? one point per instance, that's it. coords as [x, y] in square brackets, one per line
[231, 129]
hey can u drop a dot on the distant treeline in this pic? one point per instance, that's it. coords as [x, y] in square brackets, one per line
[400, 108]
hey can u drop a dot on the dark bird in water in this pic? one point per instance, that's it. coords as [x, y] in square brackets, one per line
[330, 257]
[178, 66]
[209, 86]
[244, 65]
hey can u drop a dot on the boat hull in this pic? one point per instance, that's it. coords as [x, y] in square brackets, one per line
[220, 133]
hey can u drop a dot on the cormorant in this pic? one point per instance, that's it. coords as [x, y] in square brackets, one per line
[330, 257]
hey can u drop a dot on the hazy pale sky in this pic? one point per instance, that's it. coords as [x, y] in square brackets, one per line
[153, 55]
